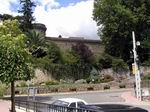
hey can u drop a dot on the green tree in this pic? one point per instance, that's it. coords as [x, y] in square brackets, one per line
[35, 42]
[13, 56]
[53, 52]
[6, 17]
[27, 11]
[83, 52]
[76, 66]
[118, 65]
[105, 61]
[117, 19]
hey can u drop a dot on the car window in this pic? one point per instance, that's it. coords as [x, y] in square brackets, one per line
[80, 104]
[72, 105]
[60, 103]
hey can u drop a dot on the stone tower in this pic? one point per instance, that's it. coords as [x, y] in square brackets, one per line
[40, 28]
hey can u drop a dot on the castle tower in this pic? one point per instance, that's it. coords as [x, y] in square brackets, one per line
[40, 28]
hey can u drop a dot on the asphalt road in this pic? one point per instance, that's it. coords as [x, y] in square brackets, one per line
[90, 97]
[105, 99]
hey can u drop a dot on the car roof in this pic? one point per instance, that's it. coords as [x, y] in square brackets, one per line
[70, 100]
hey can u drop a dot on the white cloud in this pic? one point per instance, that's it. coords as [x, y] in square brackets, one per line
[73, 20]
[48, 4]
[5, 7]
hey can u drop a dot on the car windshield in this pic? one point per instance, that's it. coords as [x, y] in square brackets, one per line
[60, 103]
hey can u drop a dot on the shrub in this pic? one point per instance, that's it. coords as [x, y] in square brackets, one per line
[106, 87]
[107, 78]
[51, 82]
[93, 79]
[54, 90]
[90, 88]
[118, 65]
[122, 86]
[73, 89]
[2, 90]
[146, 78]
[23, 84]
[88, 80]
[105, 61]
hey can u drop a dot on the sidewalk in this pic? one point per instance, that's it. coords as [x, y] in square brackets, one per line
[4, 106]
[131, 99]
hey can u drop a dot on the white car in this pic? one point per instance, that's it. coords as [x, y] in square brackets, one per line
[70, 102]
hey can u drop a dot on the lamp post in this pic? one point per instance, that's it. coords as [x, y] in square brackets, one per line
[136, 70]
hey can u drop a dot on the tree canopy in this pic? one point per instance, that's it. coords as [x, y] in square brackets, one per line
[14, 59]
[117, 19]
[13, 56]
[27, 11]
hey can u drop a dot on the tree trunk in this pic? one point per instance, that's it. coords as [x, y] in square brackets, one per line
[12, 97]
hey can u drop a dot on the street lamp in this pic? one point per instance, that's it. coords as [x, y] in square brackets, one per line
[136, 69]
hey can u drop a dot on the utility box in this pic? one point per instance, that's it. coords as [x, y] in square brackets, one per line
[145, 92]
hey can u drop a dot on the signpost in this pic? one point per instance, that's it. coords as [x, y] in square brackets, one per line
[136, 71]
[32, 91]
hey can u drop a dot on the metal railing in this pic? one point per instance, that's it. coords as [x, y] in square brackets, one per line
[32, 106]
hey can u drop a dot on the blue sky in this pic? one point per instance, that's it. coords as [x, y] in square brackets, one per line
[69, 18]
[14, 6]
[65, 3]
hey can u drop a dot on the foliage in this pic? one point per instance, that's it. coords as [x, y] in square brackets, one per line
[106, 87]
[35, 38]
[83, 51]
[53, 52]
[21, 84]
[83, 60]
[105, 61]
[6, 17]
[146, 78]
[122, 86]
[75, 66]
[51, 82]
[117, 19]
[70, 57]
[118, 65]
[13, 56]
[35, 43]
[14, 60]
[2, 90]
[93, 80]
[27, 11]
[107, 78]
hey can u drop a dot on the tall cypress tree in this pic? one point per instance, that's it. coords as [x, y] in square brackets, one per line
[27, 11]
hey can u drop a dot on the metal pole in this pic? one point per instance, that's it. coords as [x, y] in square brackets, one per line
[137, 71]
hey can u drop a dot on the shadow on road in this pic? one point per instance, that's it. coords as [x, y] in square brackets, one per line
[37, 98]
[119, 108]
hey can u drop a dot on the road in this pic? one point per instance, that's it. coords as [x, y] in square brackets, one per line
[93, 97]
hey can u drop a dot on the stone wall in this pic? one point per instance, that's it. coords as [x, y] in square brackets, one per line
[66, 43]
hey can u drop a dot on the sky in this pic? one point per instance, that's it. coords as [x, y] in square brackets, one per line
[68, 18]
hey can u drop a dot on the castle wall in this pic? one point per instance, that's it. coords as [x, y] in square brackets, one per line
[66, 43]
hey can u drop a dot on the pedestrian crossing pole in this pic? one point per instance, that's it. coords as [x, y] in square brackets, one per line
[136, 70]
